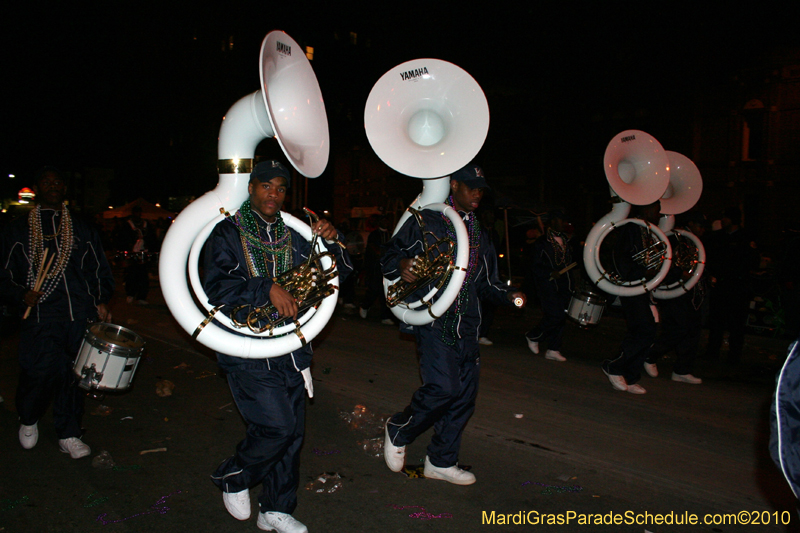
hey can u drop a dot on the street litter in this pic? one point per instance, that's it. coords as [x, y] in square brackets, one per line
[518, 415]
[327, 483]
[152, 451]
[118, 468]
[182, 365]
[126, 418]
[226, 405]
[164, 388]
[551, 489]
[361, 418]
[155, 509]
[317, 451]
[422, 514]
[102, 410]
[103, 460]
[373, 447]
[413, 472]
[205, 374]
[98, 501]
[7, 505]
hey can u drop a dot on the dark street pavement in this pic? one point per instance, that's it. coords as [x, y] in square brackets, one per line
[547, 437]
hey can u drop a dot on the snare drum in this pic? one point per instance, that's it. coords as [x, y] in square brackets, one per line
[586, 308]
[108, 357]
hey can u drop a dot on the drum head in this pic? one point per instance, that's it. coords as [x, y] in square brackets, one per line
[118, 336]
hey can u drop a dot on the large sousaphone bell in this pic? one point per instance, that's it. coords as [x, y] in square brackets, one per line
[638, 171]
[426, 119]
[288, 107]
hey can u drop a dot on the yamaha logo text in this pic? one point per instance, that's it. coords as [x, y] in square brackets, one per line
[284, 49]
[413, 74]
[628, 138]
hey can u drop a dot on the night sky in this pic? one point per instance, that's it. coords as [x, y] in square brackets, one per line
[143, 90]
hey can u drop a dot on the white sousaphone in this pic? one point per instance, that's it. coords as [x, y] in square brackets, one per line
[288, 107]
[683, 192]
[427, 118]
[637, 169]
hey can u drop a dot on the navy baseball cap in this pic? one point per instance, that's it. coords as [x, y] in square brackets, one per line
[471, 176]
[267, 170]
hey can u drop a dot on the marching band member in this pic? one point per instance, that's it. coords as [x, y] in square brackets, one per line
[448, 346]
[74, 289]
[550, 255]
[242, 256]
[137, 281]
[626, 369]
[732, 257]
[680, 317]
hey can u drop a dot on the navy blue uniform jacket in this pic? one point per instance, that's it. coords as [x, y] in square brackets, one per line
[484, 284]
[86, 282]
[228, 282]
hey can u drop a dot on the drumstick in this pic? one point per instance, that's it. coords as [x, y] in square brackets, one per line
[43, 270]
[37, 283]
[568, 267]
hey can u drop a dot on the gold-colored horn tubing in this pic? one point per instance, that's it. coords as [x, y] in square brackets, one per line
[205, 322]
[235, 166]
[430, 311]
[299, 333]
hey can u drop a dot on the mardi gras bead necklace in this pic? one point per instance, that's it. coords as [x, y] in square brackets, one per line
[63, 238]
[560, 250]
[451, 318]
[258, 251]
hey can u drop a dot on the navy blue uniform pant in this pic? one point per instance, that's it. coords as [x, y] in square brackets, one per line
[680, 331]
[446, 399]
[47, 352]
[272, 403]
[550, 329]
[638, 339]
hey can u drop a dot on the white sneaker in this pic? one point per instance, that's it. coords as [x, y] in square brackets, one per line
[28, 435]
[280, 522]
[362, 312]
[75, 447]
[237, 503]
[484, 341]
[636, 389]
[651, 369]
[618, 382]
[534, 346]
[684, 378]
[554, 355]
[387, 322]
[452, 474]
[395, 456]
